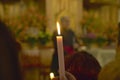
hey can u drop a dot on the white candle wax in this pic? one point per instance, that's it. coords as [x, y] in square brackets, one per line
[60, 55]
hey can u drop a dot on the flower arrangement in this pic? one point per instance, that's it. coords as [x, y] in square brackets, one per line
[30, 27]
[94, 32]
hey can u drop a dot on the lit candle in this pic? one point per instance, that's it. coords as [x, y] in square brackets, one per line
[60, 54]
[52, 76]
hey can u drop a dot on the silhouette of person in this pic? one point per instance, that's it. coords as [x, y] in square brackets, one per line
[9, 49]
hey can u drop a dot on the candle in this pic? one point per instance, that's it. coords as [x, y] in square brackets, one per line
[60, 54]
[52, 76]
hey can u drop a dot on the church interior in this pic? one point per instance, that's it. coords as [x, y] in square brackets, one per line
[33, 23]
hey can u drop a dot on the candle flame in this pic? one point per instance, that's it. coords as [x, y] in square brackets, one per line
[52, 75]
[58, 28]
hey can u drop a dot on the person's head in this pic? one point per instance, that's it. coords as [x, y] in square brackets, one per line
[83, 66]
[65, 22]
[7, 37]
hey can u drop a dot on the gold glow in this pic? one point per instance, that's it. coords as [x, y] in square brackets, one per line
[58, 28]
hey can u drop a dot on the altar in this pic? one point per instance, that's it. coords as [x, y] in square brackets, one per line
[37, 60]
[43, 56]
[103, 55]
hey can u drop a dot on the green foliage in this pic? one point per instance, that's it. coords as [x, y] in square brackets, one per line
[43, 38]
[97, 40]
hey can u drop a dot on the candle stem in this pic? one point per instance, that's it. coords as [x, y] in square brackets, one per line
[61, 57]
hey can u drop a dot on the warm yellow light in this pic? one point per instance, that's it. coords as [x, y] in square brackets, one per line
[58, 28]
[52, 75]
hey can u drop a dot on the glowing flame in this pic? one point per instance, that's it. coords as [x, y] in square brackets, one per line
[58, 28]
[52, 75]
